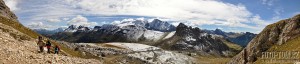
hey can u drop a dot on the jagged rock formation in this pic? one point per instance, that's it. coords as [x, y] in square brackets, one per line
[5, 11]
[159, 25]
[195, 40]
[274, 34]
[125, 31]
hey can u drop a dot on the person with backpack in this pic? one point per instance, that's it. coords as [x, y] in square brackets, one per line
[48, 45]
[41, 44]
[56, 49]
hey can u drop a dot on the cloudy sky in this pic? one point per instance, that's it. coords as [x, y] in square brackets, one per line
[228, 15]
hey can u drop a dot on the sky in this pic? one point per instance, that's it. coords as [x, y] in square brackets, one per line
[228, 15]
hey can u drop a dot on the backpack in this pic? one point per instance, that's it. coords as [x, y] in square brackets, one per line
[48, 43]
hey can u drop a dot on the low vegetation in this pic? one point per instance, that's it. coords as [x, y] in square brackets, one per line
[29, 34]
[18, 26]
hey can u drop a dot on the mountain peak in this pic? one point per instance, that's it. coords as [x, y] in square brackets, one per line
[181, 25]
[157, 20]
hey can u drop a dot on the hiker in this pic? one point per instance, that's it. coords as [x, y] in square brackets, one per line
[48, 45]
[56, 49]
[41, 44]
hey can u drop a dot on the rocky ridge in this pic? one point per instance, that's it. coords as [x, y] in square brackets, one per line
[5, 11]
[190, 39]
[274, 34]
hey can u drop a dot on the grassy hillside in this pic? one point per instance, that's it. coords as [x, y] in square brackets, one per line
[18, 26]
[290, 46]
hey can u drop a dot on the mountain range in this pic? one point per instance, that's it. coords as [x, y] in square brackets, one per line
[133, 31]
[159, 33]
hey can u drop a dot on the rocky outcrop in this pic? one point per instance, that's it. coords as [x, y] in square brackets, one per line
[5, 11]
[159, 25]
[274, 34]
[195, 40]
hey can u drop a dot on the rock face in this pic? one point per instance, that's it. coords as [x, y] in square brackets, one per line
[274, 34]
[72, 28]
[5, 11]
[195, 40]
[159, 25]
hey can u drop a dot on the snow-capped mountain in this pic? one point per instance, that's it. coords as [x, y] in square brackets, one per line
[124, 31]
[156, 24]
[72, 28]
[137, 22]
[159, 25]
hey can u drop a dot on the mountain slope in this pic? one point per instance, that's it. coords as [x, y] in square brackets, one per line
[241, 39]
[277, 34]
[190, 39]
[15, 50]
[18, 44]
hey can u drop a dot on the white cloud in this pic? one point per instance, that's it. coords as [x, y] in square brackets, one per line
[196, 12]
[54, 20]
[192, 12]
[268, 2]
[258, 21]
[65, 19]
[39, 25]
[80, 20]
[12, 4]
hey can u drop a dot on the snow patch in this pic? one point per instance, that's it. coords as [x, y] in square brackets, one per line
[135, 46]
[153, 35]
[190, 38]
[170, 35]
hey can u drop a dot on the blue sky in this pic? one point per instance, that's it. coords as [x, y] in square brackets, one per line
[228, 15]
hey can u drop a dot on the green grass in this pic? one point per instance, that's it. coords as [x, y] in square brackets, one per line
[18, 26]
[233, 46]
[290, 46]
[211, 60]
